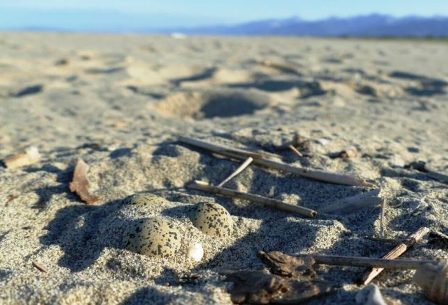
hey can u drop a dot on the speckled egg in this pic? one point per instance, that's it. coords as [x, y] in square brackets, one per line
[213, 219]
[153, 236]
[139, 199]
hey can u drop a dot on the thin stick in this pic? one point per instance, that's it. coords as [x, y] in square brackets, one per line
[356, 261]
[241, 154]
[395, 252]
[361, 201]
[241, 168]
[269, 202]
[382, 227]
[295, 150]
[384, 240]
[39, 267]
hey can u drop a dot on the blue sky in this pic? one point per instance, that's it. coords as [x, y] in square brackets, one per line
[149, 14]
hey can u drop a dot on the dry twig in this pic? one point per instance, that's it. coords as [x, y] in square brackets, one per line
[395, 252]
[295, 150]
[269, 202]
[259, 159]
[358, 261]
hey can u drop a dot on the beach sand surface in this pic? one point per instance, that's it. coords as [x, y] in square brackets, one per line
[120, 102]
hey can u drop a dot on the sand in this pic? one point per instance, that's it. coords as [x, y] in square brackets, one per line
[119, 102]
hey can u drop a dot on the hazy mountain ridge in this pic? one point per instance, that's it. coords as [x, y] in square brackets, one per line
[368, 25]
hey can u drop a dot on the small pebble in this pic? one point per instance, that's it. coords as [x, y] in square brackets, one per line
[213, 219]
[195, 252]
[153, 236]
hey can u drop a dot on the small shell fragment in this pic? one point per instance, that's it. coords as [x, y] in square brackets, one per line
[195, 252]
[213, 219]
[80, 185]
[29, 156]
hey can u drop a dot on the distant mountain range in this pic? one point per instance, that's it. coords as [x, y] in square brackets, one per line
[374, 25]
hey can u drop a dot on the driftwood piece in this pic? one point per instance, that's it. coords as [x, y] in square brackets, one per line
[29, 156]
[259, 159]
[355, 203]
[239, 170]
[261, 287]
[287, 265]
[264, 201]
[368, 276]
[80, 184]
[431, 173]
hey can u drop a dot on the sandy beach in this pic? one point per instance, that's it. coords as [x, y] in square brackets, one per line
[121, 102]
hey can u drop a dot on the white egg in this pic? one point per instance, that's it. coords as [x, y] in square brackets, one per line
[196, 252]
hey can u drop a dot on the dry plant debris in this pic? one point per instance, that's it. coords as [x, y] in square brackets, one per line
[397, 251]
[80, 184]
[261, 160]
[264, 201]
[287, 265]
[431, 173]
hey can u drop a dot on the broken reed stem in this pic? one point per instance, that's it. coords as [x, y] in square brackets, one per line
[268, 202]
[295, 150]
[355, 261]
[394, 253]
[241, 168]
[353, 203]
[259, 159]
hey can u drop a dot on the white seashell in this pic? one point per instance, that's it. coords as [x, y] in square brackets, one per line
[196, 252]
[370, 295]
[29, 156]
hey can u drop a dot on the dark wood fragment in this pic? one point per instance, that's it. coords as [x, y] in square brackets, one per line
[262, 287]
[289, 266]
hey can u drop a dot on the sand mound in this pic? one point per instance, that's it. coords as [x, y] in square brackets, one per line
[213, 104]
